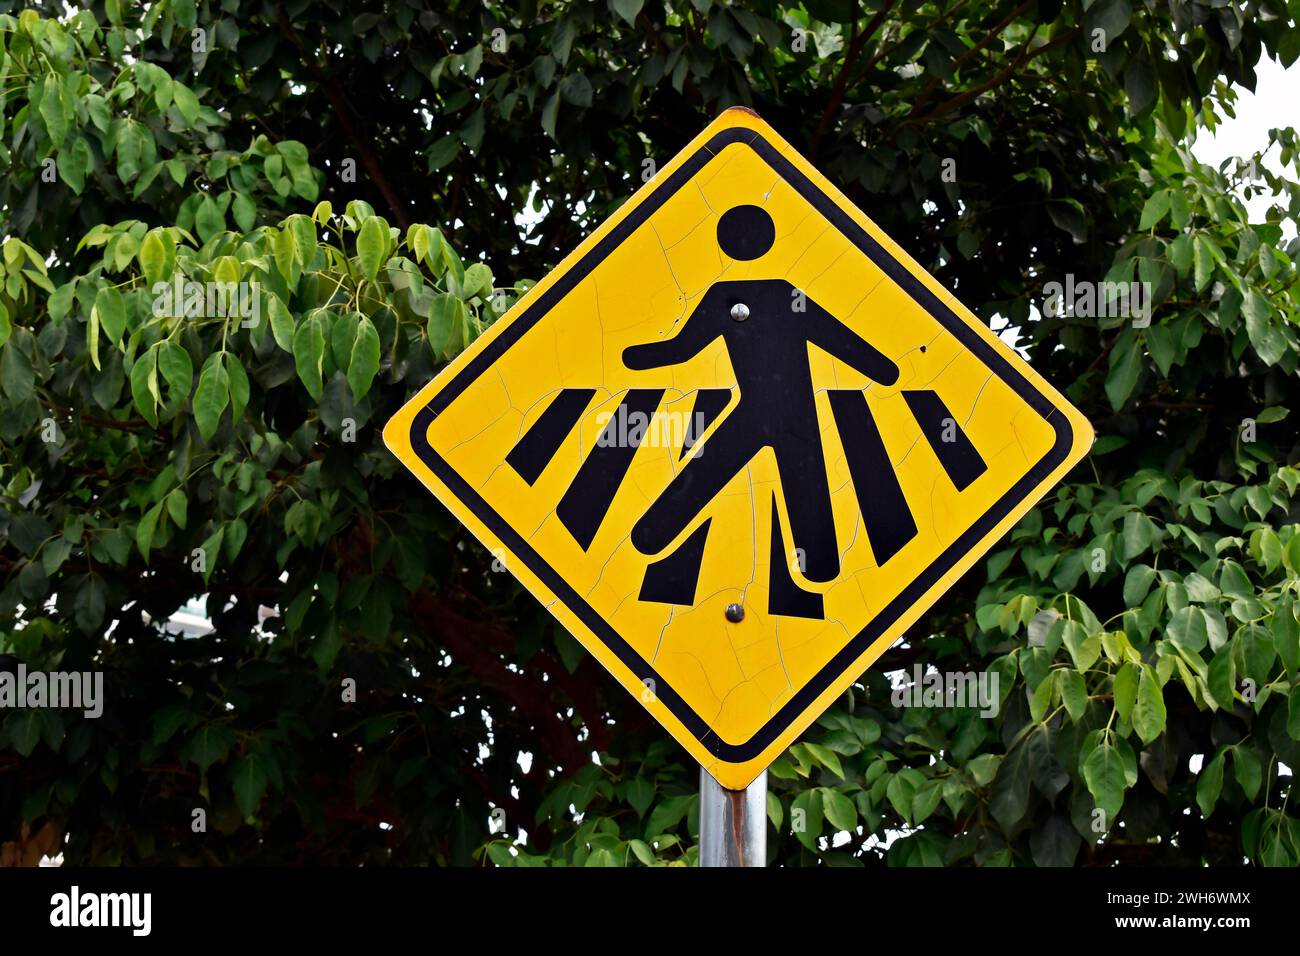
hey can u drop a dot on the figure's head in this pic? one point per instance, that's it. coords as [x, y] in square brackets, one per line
[746, 232]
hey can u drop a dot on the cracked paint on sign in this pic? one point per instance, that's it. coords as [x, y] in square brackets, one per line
[504, 433]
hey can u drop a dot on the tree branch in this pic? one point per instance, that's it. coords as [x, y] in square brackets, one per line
[856, 44]
[352, 126]
[1025, 56]
[933, 85]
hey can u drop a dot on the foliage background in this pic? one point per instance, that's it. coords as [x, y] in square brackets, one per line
[1143, 619]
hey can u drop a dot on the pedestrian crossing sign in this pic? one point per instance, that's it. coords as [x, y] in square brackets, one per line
[737, 442]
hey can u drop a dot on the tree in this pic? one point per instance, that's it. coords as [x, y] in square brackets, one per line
[365, 166]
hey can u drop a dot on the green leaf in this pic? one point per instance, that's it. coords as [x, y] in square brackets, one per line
[1164, 350]
[665, 817]
[1149, 711]
[73, 162]
[177, 369]
[343, 332]
[443, 318]
[111, 311]
[286, 255]
[1124, 689]
[209, 219]
[1069, 216]
[827, 758]
[640, 793]
[153, 256]
[983, 767]
[17, 378]
[249, 781]
[282, 324]
[372, 246]
[925, 801]
[365, 359]
[1288, 47]
[177, 507]
[1155, 209]
[1209, 784]
[1188, 629]
[309, 354]
[91, 604]
[186, 102]
[235, 534]
[144, 531]
[1265, 336]
[1180, 212]
[839, 810]
[144, 385]
[1124, 369]
[1221, 680]
[208, 745]
[212, 395]
[1074, 693]
[1109, 16]
[245, 212]
[238, 380]
[60, 303]
[1010, 795]
[1084, 650]
[478, 281]
[1180, 254]
[1248, 771]
[170, 719]
[627, 9]
[1203, 257]
[54, 109]
[211, 548]
[1137, 584]
[806, 818]
[550, 109]
[1286, 634]
[25, 731]
[641, 850]
[1107, 776]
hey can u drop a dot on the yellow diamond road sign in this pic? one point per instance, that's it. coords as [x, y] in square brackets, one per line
[737, 442]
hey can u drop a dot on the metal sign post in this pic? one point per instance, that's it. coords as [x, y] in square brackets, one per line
[733, 823]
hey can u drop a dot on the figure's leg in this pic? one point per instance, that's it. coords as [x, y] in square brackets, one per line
[784, 597]
[808, 502]
[720, 458]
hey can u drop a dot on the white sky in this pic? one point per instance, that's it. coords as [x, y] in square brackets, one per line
[1274, 104]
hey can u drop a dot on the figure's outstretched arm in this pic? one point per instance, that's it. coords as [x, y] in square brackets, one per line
[832, 335]
[696, 332]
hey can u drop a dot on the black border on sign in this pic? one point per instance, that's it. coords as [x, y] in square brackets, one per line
[941, 313]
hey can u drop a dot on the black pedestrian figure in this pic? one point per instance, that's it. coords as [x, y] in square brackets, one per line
[767, 325]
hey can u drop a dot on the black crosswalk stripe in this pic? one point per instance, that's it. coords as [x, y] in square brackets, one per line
[709, 403]
[951, 446]
[885, 513]
[534, 451]
[586, 502]
[672, 580]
